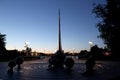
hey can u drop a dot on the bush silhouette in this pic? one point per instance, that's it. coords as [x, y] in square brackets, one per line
[69, 63]
[19, 60]
[11, 64]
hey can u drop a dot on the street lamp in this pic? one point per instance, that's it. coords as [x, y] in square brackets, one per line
[90, 43]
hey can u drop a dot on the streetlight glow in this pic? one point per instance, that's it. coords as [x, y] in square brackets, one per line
[91, 43]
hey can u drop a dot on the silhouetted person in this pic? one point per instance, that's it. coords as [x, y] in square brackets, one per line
[11, 64]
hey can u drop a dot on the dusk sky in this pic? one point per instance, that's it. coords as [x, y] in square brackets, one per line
[36, 22]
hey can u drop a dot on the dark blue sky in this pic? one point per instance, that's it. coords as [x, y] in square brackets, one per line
[36, 21]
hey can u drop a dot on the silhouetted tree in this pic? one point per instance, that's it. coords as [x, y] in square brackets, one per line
[83, 54]
[109, 26]
[2, 42]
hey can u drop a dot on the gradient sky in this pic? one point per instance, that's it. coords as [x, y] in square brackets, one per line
[36, 21]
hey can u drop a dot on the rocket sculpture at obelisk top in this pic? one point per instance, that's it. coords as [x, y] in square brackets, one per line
[59, 34]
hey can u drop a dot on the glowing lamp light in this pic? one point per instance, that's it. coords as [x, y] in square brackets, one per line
[91, 43]
[106, 53]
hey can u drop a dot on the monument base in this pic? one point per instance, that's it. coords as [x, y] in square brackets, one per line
[57, 60]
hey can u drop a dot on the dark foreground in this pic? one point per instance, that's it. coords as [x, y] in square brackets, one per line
[36, 70]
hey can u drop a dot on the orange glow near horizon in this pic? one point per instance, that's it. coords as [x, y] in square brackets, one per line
[46, 51]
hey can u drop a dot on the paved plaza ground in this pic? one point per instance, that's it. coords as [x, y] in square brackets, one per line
[37, 70]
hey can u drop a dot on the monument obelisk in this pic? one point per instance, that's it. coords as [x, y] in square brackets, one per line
[57, 60]
[59, 33]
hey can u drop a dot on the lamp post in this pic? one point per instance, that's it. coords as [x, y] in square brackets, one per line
[90, 43]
